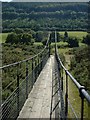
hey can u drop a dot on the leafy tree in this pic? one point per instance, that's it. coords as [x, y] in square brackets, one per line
[39, 36]
[18, 30]
[66, 35]
[44, 41]
[26, 38]
[52, 37]
[87, 39]
[12, 38]
[19, 38]
[32, 41]
[73, 42]
[58, 37]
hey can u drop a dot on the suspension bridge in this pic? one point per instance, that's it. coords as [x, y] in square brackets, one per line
[43, 92]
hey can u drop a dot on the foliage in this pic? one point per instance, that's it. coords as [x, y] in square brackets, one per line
[80, 65]
[43, 16]
[65, 35]
[19, 38]
[13, 53]
[52, 36]
[44, 41]
[58, 37]
[73, 42]
[87, 39]
[18, 30]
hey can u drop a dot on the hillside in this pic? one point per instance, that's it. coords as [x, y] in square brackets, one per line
[41, 16]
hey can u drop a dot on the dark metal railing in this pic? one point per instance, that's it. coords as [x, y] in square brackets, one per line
[82, 91]
[22, 75]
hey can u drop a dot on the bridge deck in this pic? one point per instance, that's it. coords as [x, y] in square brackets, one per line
[38, 103]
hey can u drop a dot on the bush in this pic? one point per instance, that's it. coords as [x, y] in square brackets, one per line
[12, 38]
[73, 42]
[80, 66]
[44, 41]
[20, 38]
[87, 39]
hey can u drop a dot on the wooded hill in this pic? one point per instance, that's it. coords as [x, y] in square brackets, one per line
[41, 16]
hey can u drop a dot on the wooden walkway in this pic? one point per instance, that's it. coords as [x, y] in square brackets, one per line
[38, 104]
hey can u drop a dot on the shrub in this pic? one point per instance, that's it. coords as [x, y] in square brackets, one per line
[73, 42]
[87, 39]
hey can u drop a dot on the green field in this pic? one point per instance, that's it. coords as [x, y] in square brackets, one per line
[3, 37]
[78, 34]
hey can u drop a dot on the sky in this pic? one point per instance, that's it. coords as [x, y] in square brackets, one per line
[45, 0]
[5, 0]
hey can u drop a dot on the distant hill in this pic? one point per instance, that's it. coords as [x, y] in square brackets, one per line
[50, 0]
[41, 16]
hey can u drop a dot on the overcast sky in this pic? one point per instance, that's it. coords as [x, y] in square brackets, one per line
[45, 0]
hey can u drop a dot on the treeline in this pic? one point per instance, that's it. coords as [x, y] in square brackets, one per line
[41, 16]
[28, 37]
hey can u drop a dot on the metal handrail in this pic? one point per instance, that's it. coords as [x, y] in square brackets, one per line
[13, 103]
[82, 90]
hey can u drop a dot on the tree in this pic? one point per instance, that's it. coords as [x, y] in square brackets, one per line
[87, 39]
[39, 36]
[12, 38]
[52, 37]
[58, 37]
[19, 38]
[26, 38]
[73, 42]
[18, 30]
[66, 35]
[44, 41]
[32, 41]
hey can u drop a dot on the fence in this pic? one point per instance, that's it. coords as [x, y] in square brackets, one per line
[84, 96]
[22, 76]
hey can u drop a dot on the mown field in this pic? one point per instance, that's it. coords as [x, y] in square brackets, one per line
[78, 34]
[3, 37]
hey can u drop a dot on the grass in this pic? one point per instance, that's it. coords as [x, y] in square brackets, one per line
[38, 43]
[78, 34]
[3, 37]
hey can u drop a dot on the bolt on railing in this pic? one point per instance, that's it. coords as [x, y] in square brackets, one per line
[24, 73]
[82, 91]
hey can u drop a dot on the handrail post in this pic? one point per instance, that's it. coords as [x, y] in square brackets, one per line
[32, 73]
[62, 77]
[41, 61]
[26, 79]
[35, 70]
[38, 65]
[88, 111]
[17, 89]
[82, 101]
[66, 96]
[49, 47]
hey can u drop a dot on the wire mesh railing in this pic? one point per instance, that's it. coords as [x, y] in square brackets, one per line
[79, 110]
[18, 80]
[57, 101]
